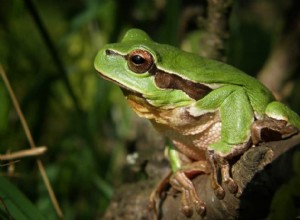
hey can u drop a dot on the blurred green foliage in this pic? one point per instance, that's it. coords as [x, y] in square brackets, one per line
[87, 128]
[14, 204]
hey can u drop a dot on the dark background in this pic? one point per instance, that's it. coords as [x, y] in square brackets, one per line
[84, 120]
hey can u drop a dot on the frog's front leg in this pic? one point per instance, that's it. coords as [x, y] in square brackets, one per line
[217, 162]
[236, 116]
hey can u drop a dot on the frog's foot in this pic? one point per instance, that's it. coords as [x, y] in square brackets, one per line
[190, 199]
[270, 129]
[219, 163]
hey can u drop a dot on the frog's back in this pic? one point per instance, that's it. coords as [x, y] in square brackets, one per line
[215, 73]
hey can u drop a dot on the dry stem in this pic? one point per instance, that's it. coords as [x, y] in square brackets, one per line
[24, 153]
[31, 142]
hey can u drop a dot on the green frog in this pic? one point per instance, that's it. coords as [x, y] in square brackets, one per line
[210, 111]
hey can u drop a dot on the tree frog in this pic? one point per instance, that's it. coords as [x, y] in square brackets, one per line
[210, 111]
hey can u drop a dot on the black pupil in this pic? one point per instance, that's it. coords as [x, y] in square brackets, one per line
[137, 59]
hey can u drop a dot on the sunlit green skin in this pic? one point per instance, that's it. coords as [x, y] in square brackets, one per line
[238, 97]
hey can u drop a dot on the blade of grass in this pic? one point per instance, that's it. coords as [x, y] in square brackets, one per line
[14, 204]
[31, 142]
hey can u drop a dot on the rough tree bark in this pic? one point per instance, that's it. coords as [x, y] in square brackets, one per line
[256, 173]
[216, 29]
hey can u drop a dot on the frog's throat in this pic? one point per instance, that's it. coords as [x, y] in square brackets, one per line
[142, 107]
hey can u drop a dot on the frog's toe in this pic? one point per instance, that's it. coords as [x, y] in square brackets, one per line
[219, 192]
[218, 163]
[199, 205]
[187, 210]
[232, 186]
[190, 200]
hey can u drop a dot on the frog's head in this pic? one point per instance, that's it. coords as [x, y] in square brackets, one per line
[141, 66]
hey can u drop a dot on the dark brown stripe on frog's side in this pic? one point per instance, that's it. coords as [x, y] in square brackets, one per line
[170, 81]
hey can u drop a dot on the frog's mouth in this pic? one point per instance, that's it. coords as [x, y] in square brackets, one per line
[126, 91]
[129, 92]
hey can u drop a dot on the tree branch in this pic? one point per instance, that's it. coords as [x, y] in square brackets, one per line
[256, 174]
[217, 26]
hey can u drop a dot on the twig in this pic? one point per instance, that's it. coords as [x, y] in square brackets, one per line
[217, 25]
[24, 153]
[9, 164]
[31, 142]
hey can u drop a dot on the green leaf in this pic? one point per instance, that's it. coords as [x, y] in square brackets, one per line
[14, 204]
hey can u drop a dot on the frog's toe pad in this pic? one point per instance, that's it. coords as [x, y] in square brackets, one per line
[190, 202]
[200, 208]
[232, 186]
[187, 211]
[220, 193]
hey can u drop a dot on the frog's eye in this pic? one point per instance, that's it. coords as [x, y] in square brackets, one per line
[139, 61]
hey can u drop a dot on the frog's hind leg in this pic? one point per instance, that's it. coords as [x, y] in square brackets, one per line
[270, 129]
[280, 111]
[280, 123]
[157, 192]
